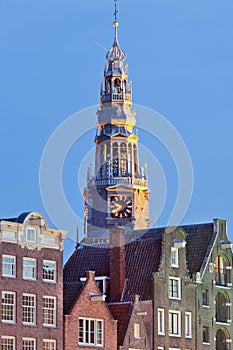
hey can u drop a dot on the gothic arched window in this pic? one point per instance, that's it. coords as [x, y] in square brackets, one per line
[222, 274]
[115, 164]
[222, 303]
[222, 339]
[123, 158]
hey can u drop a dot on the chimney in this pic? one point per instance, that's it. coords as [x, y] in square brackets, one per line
[117, 263]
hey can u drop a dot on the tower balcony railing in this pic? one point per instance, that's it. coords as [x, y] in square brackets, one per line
[104, 182]
[117, 97]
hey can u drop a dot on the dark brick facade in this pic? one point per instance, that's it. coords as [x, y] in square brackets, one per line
[37, 287]
[162, 299]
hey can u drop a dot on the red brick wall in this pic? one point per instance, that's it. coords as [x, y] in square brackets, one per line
[117, 263]
[39, 288]
[85, 308]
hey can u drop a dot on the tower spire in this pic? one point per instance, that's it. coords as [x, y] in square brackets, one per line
[115, 23]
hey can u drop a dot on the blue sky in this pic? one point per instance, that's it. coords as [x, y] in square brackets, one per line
[180, 56]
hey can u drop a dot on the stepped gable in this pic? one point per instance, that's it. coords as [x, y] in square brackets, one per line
[122, 313]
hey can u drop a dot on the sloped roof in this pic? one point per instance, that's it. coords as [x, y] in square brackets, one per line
[20, 219]
[142, 258]
[199, 242]
[86, 258]
[71, 292]
[122, 313]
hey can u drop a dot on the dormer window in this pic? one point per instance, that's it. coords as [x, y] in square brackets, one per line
[102, 283]
[174, 257]
[31, 234]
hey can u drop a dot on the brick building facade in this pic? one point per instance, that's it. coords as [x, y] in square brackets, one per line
[31, 284]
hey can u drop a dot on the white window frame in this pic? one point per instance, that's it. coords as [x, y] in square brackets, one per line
[171, 292]
[51, 268]
[30, 340]
[161, 321]
[102, 279]
[49, 310]
[51, 342]
[30, 310]
[12, 306]
[28, 232]
[178, 323]
[8, 346]
[11, 266]
[28, 267]
[174, 258]
[188, 324]
[98, 342]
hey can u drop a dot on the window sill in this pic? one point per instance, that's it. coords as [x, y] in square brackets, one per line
[206, 306]
[206, 343]
[8, 322]
[30, 279]
[91, 345]
[49, 325]
[175, 335]
[5, 276]
[49, 281]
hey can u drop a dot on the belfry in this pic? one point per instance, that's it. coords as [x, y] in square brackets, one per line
[117, 193]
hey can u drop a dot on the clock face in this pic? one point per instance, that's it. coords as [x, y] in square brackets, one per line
[121, 206]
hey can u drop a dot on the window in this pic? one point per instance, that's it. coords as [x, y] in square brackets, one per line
[8, 266]
[102, 283]
[49, 311]
[29, 344]
[49, 271]
[161, 329]
[8, 307]
[188, 324]
[136, 330]
[29, 268]
[31, 235]
[206, 335]
[174, 288]
[174, 257]
[49, 344]
[29, 309]
[8, 343]
[205, 297]
[91, 332]
[222, 308]
[174, 323]
[222, 271]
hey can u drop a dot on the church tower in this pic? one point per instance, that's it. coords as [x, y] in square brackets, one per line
[117, 193]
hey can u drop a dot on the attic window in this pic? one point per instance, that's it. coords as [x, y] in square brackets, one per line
[101, 281]
[137, 331]
[31, 234]
[174, 257]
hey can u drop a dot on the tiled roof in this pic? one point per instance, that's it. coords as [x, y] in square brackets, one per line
[199, 241]
[86, 258]
[142, 259]
[122, 313]
[71, 292]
